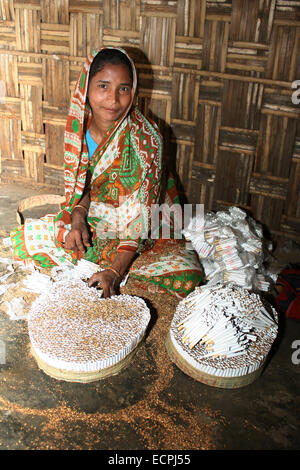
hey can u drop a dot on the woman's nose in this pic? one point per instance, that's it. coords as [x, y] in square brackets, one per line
[113, 96]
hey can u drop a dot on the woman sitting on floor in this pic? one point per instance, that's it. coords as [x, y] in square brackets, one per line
[113, 168]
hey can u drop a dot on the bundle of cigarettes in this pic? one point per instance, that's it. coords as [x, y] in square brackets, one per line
[224, 320]
[223, 330]
[231, 248]
[83, 270]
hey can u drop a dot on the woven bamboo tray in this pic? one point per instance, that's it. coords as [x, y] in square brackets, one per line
[212, 380]
[82, 377]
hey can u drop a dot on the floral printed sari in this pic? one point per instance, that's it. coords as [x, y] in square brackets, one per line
[125, 177]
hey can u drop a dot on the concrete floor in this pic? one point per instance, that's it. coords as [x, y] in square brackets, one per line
[149, 405]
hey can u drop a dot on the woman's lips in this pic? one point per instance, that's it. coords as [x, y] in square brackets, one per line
[112, 111]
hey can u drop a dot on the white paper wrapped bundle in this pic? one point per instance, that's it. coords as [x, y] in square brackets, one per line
[230, 246]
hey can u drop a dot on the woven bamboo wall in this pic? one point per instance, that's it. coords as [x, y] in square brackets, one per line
[217, 75]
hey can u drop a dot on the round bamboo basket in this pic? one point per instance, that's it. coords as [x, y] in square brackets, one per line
[208, 379]
[82, 377]
[85, 338]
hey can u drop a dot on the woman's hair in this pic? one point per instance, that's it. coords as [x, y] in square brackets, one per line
[110, 56]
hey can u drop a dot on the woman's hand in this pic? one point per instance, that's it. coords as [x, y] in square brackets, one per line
[107, 280]
[78, 237]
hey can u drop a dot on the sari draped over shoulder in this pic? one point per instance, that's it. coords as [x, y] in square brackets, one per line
[126, 178]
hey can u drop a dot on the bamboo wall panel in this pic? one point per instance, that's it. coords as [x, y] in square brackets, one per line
[215, 74]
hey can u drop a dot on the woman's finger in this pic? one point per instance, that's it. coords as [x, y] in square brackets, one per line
[106, 286]
[94, 279]
[69, 242]
[112, 291]
[86, 238]
[79, 242]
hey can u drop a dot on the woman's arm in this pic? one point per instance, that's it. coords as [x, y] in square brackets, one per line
[78, 237]
[84, 201]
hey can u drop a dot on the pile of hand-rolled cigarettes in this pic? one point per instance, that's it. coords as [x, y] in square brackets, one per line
[231, 248]
[225, 320]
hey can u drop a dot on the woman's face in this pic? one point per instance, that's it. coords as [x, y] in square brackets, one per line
[110, 92]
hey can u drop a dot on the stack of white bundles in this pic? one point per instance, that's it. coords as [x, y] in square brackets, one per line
[83, 270]
[232, 250]
[15, 309]
[37, 282]
[224, 330]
